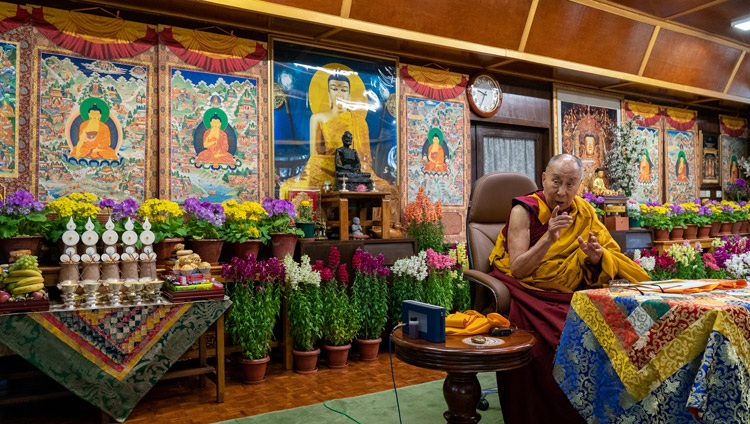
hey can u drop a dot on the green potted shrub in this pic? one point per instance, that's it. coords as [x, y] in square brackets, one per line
[255, 289]
[340, 314]
[370, 295]
[23, 222]
[305, 311]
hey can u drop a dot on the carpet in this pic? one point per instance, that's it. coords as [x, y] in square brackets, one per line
[420, 404]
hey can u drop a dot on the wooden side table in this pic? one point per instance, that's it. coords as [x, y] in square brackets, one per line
[462, 362]
[336, 203]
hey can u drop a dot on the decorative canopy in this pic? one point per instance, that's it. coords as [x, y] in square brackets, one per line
[733, 126]
[11, 16]
[681, 119]
[649, 113]
[436, 84]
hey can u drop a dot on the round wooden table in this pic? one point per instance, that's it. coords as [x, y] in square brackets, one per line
[462, 362]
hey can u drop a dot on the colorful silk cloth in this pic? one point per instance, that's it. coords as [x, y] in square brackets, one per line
[652, 357]
[111, 357]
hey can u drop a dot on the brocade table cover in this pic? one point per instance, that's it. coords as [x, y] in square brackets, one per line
[627, 357]
[109, 356]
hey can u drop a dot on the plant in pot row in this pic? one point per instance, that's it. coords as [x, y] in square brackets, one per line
[255, 291]
[370, 297]
[305, 310]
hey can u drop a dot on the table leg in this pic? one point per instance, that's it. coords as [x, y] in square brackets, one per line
[202, 357]
[220, 359]
[462, 392]
[385, 218]
[344, 219]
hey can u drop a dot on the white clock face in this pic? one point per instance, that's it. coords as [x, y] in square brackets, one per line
[486, 93]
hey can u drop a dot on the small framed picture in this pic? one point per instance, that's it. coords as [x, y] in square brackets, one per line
[297, 196]
[710, 166]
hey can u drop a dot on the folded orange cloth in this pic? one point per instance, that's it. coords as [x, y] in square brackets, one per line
[470, 323]
[711, 284]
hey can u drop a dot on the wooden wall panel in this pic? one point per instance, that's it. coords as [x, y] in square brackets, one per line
[741, 84]
[691, 56]
[496, 23]
[588, 36]
[331, 7]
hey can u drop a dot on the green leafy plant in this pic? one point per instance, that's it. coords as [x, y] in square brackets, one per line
[166, 218]
[255, 289]
[79, 206]
[203, 220]
[622, 158]
[243, 221]
[409, 275]
[370, 293]
[461, 289]
[280, 218]
[655, 215]
[424, 222]
[340, 314]
[22, 215]
[304, 303]
[439, 285]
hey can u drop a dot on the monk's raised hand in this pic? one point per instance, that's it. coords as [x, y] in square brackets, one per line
[591, 248]
[558, 222]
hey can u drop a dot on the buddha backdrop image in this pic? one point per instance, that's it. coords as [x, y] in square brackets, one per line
[318, 95]
[93, 126]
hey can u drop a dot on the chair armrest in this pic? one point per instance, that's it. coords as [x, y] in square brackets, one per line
[493, 285]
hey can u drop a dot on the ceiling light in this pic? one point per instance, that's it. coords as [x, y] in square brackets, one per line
[742, 23]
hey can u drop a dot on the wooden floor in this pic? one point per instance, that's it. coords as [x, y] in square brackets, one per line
[184, 401]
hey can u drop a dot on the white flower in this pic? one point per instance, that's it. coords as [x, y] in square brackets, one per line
[413, 266]
[301, 273]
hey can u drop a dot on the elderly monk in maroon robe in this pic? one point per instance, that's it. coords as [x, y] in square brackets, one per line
[552, 245]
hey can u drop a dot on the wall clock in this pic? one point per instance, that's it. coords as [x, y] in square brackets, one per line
[484, 94]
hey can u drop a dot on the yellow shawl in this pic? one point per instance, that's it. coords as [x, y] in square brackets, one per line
[564, 268]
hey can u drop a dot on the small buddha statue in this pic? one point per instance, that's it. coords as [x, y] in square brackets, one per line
[599, 187]
[348, 167]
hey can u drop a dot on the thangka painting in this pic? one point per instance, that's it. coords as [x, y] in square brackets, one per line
[213, 136]
[93, 126]
[582, 124]
[320, 95]
[647, 186]
[732, 149]
[9, 59]
[435, 150]
[681, 171]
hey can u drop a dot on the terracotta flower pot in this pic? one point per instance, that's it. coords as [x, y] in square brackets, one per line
[676, 233]
[704, 231]
[715, 228]
[208, 249]
[337, 355]
[745, 226]
[736, 227]
[241, 250]
[368, 349]
[254, 370]
[306, 362]
[283, 244]
[691, 232]
[726, 228]
[661, 235]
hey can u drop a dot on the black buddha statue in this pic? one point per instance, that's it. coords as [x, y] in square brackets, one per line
[348, 167]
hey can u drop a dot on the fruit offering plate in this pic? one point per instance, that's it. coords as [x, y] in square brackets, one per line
[31, 305]
[186, 294]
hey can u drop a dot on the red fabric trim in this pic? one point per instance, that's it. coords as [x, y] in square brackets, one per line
[645, 121]
[681, 125]
[432, 92]
[732, 132]
[91, 49]
[22, 16]
[211, 64]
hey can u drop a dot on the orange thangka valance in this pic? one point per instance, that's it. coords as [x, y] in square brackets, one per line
[436, 84]
[650, 114]
[681, 119]
[733, 126]
[96, 37]
[11, 16]
[216, 53]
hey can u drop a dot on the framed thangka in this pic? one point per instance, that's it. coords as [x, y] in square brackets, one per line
[213, 135]
[93, 126]
[435, 149]
[681, 170]
[8, 109]
[647, 186]
[318, 96]
[582, 124]
[732, 150]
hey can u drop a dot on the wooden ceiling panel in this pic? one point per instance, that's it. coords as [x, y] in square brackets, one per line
[331, 7]
[576, 33]
[662, 9]
[497, 23]
[741, 83]
[701, 63]
[718, 20]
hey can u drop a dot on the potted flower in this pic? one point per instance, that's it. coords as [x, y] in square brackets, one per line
[204, 221]
[119, 212]
[279, 225]
[370, 295]
[596, 202]
[424, 222]
[306, 218]
[305, 310]
[654, 216]
[168, 224]
[255, 288]
[409, 275]
[23, 222]
[633, 210]
[81, 207]
[461, 288]
[439, 283]
[242, 228]
[678, 219]
[340, 315]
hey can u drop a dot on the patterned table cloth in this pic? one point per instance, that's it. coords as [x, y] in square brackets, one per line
[628, 357]
[110, 357]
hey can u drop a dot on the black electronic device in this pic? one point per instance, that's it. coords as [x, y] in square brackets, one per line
[501, 331]
[431, 319]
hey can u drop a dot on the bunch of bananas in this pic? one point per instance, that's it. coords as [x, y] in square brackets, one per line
[23, 276]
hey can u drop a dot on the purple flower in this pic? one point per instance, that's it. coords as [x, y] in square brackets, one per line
[107, 203]
[277, 206]
[124, 210]
[202, 213]
[22, 203]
